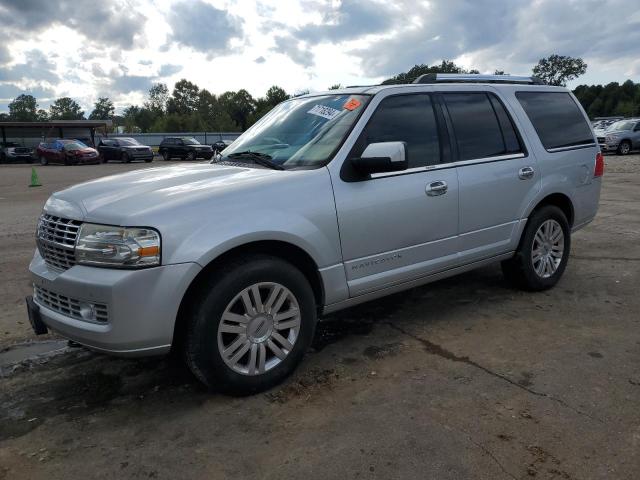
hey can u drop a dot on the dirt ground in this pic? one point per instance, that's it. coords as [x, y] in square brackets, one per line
[465, 378]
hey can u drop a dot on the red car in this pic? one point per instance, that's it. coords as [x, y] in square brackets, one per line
[66, 152]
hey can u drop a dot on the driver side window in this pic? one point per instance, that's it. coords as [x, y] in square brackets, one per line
[404, 118]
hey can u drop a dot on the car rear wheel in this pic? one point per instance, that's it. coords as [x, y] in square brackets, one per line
[543, 252]
[624, 148]
[165, 156]
[43, 160]
[191, 156]
[250, 325]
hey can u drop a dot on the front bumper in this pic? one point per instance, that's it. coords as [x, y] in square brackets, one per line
[142, 305]
[609, 147]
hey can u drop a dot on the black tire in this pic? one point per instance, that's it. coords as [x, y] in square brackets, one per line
[191, 156]
[3, 158]
[165, 156]
[202, 353]
[102, 159]
[43, 160]
[520, 270]
[148, 160]
[125, 157]
[624, 148]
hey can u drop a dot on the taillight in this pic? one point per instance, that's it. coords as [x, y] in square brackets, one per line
[598, 171]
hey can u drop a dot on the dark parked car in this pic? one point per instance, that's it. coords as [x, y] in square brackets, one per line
[221, 145]
[124, 150]
[186, 148]
[66, 152]
[13, 152]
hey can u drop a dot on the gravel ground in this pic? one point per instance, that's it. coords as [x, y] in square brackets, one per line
[463, 378]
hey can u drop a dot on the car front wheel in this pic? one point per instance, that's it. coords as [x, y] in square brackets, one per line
[165, 155]
[543, 252]
[250, 325]
[191, 156]
[624, 148]
[43, 160]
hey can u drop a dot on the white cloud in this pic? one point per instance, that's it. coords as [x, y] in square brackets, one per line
[118, 48]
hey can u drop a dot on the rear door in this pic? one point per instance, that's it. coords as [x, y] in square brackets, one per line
[497, 177]
[396, 227]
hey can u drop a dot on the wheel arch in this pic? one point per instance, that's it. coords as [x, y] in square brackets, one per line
[560, 200]
[275, 248]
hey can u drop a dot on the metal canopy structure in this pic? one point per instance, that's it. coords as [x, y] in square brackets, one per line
[53, 128]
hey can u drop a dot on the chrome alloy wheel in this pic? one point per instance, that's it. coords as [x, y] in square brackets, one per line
[259, 328]
[547, 249]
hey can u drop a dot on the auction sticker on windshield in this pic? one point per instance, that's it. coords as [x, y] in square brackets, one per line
[324, 111]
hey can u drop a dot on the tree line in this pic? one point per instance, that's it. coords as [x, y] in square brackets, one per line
[189, 108]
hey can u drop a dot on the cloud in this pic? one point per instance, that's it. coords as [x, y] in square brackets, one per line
[497, 34]
[9, 91]
[350, 20]
[204, 28]
[37, 67]
[290, 47]
[113, 24]
[168, 69]
[260, 59]
[130, 83]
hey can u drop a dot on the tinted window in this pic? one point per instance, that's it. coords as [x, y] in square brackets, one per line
[476, 126]
[556, 118]
[404, 118]
[108, 143]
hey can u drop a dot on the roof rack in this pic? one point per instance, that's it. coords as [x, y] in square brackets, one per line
[476, 78]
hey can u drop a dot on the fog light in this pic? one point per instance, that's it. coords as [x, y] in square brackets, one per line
[88, 311]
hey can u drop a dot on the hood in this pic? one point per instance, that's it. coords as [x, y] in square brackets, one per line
[137, 196]
[82, 150]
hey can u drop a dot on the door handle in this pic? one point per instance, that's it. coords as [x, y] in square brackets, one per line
[437, 188]
[526, 173]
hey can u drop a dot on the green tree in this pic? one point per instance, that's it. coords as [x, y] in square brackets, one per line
[559, 69]
[65, 108]
[184, 99]
[407, 77]
[158, 98]
[103, 109]
[130, 121]
[23, 109]
[240, 106]
[336, 86]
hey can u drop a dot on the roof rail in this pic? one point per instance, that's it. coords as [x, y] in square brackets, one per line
[476, 78]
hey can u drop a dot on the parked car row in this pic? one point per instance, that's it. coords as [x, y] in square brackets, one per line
[123, 149]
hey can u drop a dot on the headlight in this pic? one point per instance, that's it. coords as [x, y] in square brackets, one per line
[118, 247]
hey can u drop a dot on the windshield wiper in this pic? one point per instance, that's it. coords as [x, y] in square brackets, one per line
[257, 157]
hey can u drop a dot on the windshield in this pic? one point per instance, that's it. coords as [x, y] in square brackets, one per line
[622, 126]
[128, 141]
[74, 146]
[302, 132]
[190, 141]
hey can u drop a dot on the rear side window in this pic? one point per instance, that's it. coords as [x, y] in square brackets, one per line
[481, 125]
[556, 118]
[404, 118]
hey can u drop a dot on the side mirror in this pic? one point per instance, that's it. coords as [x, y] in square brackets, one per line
[382, 157]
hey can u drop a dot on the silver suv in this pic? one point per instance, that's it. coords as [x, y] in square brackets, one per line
[622, 137]
[330, 200]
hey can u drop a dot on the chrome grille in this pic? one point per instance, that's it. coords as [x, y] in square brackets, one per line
[56, 239]
[70, 307]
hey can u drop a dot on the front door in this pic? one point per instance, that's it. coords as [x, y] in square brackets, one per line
[398, 226]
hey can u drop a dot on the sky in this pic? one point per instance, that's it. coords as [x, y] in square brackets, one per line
[119, 48]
